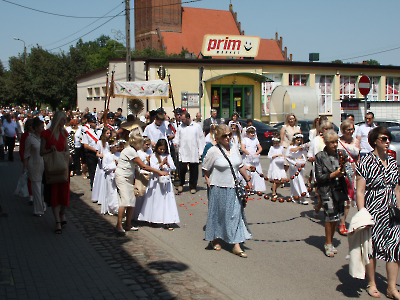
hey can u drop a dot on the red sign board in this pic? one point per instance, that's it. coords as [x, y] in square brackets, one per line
[364, 85]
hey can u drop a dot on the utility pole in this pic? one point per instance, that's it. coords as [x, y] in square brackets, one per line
[128, 40]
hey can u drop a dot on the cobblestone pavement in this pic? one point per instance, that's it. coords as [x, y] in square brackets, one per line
[89, 260]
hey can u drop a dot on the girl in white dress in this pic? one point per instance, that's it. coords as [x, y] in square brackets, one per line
[236, 134]
[102, 147]
[109, 203]
[276, 169]
[210, 136]
[251, 157]
[144, 155]
[296, 156]
[159, 204]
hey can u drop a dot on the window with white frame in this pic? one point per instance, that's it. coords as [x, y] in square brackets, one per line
[266, 90]
[89, 94]
[323, 87]
[295, 79]
[392, 88]
[97, 91]
[348, 87]
[373, 93]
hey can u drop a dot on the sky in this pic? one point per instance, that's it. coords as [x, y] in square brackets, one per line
[352, 31]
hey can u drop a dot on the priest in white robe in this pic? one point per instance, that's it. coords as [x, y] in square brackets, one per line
[190, 141]
[156, 130]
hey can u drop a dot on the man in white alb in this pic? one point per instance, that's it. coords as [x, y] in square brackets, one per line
[156, 130]
[190, 141]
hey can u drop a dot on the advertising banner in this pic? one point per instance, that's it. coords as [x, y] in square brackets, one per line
[230, 45]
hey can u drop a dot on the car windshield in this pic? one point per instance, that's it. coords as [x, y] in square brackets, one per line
[396, 135]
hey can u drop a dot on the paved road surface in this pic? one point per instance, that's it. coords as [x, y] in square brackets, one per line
[90, 261]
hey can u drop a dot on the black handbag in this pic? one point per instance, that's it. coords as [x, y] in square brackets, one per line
[241, 192]
[339, 196]
[394, 213]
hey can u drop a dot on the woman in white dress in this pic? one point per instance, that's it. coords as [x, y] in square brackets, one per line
[102, 147]
[276, 169]
[124, 178]
[33, 163]
[287, 131]
[159, 206]
[144, 155]
[251, 149]
[296, 156]
[109, 200]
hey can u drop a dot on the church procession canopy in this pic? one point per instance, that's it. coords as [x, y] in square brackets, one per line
[141, 89]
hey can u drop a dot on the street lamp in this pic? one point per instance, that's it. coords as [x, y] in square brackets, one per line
[17, 39]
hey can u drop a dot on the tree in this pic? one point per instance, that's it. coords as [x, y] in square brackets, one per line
[17, 85]
[373, 62]
[337, 61]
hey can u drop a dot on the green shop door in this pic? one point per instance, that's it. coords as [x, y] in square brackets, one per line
[235, 98]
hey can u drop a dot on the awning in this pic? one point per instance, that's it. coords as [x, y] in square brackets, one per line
[141, 89]
[255, 76]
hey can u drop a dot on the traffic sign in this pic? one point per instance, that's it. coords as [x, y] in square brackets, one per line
[364, 85]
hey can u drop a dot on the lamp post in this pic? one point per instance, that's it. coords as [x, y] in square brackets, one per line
[17, 39]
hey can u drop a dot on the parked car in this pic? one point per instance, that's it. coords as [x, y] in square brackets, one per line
[383, 122]
[305, 126]
[264, 133]
[394, 148]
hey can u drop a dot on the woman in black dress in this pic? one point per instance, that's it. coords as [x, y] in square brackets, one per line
[377, 188]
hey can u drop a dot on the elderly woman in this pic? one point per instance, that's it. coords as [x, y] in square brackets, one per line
[317, 145]
[378, 188]
[330, 180]
[33, 163]
[351, 146]
[125, 178]
[226, 219]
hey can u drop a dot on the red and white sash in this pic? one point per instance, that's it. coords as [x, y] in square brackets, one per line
[94, 138]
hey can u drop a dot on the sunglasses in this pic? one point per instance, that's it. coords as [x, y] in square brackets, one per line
[384, 139]
[350, 129]
[227, 135]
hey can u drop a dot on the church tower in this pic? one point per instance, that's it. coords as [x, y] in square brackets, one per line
[152, 17]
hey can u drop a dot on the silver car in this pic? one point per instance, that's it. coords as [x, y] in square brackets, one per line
[394, 148]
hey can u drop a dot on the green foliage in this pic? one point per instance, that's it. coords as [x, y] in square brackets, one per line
[49, 79]
[337, 61]
[373, 62]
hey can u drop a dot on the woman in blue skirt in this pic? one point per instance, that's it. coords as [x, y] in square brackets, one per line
[226, 219]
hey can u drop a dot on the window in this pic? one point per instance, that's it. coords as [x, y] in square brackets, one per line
[373, 93]
[348, 87]
[103, 90]
[297, 79]
[89, 94]
[97, 91]
[323, 87]
[392, 89]
[267, 88]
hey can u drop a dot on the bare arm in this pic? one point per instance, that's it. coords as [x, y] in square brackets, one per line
[360, 184]
[259, 149]
[282, 135]
[242, 171]
[243, 147]
[397, 192]
[43, 150]
[143, 166]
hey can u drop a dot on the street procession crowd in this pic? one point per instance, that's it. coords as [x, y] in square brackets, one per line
[136, 167]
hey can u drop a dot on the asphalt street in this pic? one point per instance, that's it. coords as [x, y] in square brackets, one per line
[89, 260]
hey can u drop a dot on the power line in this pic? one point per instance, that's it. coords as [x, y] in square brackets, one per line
[54, 14]
[372, 53]
[89, 31]
[83, 27]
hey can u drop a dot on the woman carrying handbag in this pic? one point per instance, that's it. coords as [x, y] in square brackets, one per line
[56, 184]
[226, 219]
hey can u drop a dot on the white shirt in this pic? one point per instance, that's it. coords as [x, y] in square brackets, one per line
[221, 174]
[9, 128]
[89, 140]
[363, 132]
[155, 133]
[190, 140]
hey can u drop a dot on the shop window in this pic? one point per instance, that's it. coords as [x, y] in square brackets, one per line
[267, 88]
[392, 88]
[348, 87]
[323, 87]
[297, 79]
[373, 93]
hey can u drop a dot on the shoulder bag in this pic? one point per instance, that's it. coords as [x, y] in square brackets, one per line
[239, 188]
[56, 167]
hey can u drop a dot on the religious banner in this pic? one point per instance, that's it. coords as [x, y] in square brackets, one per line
[141, 89]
